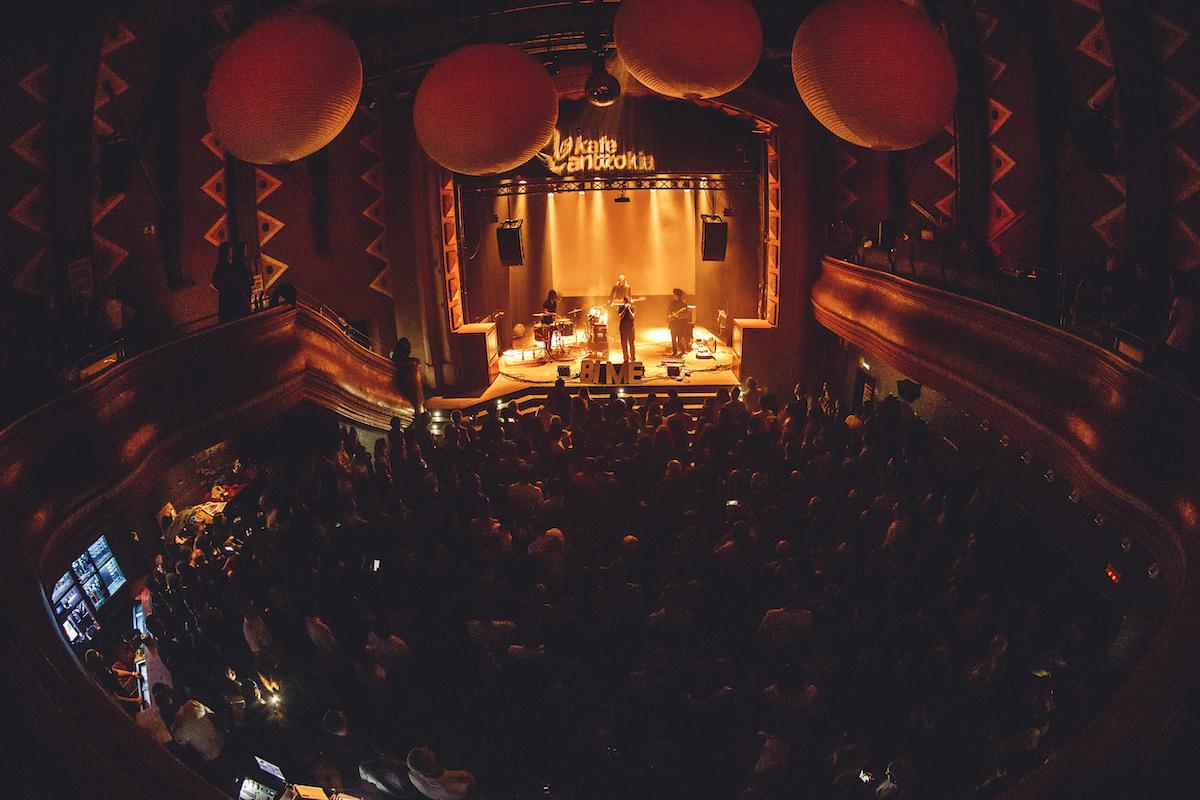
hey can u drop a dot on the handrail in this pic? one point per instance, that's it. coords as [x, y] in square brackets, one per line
[1047, 299]
[1120, 435]
[27, 394]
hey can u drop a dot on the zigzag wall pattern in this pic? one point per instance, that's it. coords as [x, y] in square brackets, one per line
[372, 142]
[30, 211]
[107, 256]
[1110, 227]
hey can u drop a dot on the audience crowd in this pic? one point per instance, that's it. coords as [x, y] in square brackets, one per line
[609, 597]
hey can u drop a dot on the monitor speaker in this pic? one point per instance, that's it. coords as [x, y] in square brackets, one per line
[714, 237]
[508, 239]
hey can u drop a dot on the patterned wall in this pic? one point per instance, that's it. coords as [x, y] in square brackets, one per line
[1179, 52]
[26, 164]
[1093, 202]
[1092, 222]
[352, 275]
[372, 142]
[1012, 138]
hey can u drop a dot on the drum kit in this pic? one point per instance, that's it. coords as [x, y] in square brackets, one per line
[562, 339]
[557, 335]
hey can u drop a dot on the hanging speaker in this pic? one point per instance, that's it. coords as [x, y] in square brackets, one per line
[508, 239]
[714, 236]
[117, 159]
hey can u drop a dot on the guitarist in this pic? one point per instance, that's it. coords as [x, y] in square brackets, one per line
[677, 321]
[621, 291]
[628, 347]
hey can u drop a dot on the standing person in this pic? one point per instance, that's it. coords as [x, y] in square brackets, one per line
[677, 321]
[232, 280]
[621, 291]
[1179, 331]
[628, 348]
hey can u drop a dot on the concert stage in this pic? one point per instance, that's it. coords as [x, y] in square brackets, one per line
[653, 351]
[688, 204]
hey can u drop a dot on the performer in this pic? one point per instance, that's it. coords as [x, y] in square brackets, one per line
[628, 349]
[621, 290]
[677, 321]
[550, 306]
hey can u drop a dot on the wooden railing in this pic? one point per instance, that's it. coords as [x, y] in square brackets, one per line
[1124, 438]
[97, 454]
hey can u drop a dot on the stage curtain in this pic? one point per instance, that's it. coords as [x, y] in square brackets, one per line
[651, 239]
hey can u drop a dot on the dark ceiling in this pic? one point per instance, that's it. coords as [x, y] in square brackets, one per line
[399, 39]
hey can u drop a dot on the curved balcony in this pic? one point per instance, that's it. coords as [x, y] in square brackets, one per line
[98, 453]
[1121, 436]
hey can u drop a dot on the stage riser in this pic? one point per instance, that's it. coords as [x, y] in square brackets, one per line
[529, 401]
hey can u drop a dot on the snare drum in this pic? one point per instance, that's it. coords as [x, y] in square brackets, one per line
[565, 327]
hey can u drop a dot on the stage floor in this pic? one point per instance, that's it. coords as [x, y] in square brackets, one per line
[653, 350]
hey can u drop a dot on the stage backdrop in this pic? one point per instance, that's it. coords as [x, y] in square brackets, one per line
[651, 240]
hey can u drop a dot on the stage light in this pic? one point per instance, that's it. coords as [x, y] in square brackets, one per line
[621, 198]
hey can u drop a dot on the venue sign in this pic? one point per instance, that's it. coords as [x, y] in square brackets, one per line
[575, 155]
[605, 373]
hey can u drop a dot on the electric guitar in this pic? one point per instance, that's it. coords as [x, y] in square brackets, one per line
[680, 314]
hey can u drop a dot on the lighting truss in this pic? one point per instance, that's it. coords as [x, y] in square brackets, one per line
[727, 181]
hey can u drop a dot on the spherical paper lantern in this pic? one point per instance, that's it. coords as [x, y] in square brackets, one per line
[875, 72]
[284, 88]
[689, 48]
[485, 109]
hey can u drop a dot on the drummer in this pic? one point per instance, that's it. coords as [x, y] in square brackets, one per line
[550, 305]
